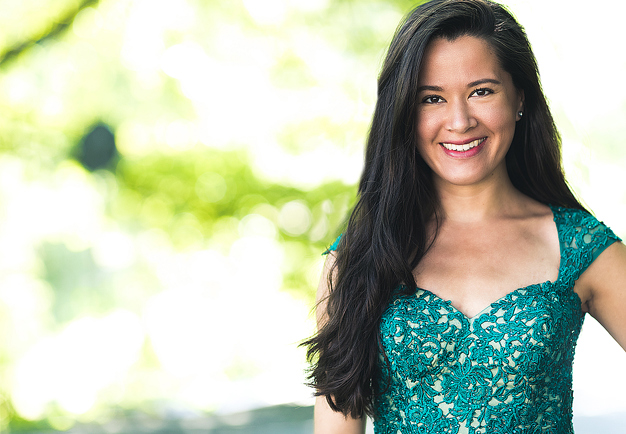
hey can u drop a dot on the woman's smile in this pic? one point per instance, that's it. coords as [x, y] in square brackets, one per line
[461, 149]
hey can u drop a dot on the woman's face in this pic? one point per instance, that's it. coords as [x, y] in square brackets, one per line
[467, 109]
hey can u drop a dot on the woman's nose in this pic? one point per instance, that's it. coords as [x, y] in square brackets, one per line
[460, 118]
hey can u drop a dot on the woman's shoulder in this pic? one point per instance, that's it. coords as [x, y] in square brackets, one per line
[581, 233]
[579, 220]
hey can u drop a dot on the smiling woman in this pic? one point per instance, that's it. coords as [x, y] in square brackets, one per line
[453, 300]
[465, 122]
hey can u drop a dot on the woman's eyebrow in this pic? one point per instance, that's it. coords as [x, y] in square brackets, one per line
[483, 81]
[433, 88]
[472, 84]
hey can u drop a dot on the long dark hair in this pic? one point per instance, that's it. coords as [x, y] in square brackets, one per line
[386, 234]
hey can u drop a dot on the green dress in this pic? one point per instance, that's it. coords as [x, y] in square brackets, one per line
[507, 370]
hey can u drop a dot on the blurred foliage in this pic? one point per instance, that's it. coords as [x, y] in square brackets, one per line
[170, 269]
[193, 194]
[237, 139]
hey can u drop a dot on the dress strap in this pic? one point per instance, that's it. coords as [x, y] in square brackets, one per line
[583, 238]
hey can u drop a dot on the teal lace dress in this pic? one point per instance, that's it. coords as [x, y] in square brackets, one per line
[507, 370]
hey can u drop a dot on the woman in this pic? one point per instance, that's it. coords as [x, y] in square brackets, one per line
[454, 298]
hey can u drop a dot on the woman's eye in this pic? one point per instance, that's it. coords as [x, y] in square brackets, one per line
[482, 92]
[432, 99]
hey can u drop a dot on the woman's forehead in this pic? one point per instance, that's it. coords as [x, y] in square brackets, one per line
[465, 59]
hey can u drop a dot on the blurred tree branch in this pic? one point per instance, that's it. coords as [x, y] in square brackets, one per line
[57, 27]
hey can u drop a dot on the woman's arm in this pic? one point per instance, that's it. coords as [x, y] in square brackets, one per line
[327, 421]
[606, 281]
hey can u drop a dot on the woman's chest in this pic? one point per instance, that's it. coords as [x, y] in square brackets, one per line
[525, 331]
[474, 268]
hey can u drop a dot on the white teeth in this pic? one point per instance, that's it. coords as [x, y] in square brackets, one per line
[465, 147]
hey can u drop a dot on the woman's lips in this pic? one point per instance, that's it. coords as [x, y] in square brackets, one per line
[464, 150]
[465, 146]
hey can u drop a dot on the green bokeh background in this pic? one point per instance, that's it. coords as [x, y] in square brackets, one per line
[174, 280]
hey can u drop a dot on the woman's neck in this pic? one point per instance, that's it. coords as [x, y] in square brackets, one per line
[480, 202]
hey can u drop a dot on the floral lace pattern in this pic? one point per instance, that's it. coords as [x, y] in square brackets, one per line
[507, 370]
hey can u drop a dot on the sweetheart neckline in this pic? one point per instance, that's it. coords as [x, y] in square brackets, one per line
[471, 319]
[490, 306]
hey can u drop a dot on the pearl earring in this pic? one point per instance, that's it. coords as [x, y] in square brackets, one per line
[520, 113]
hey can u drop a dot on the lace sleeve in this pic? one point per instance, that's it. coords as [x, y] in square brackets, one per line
[583, 238]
